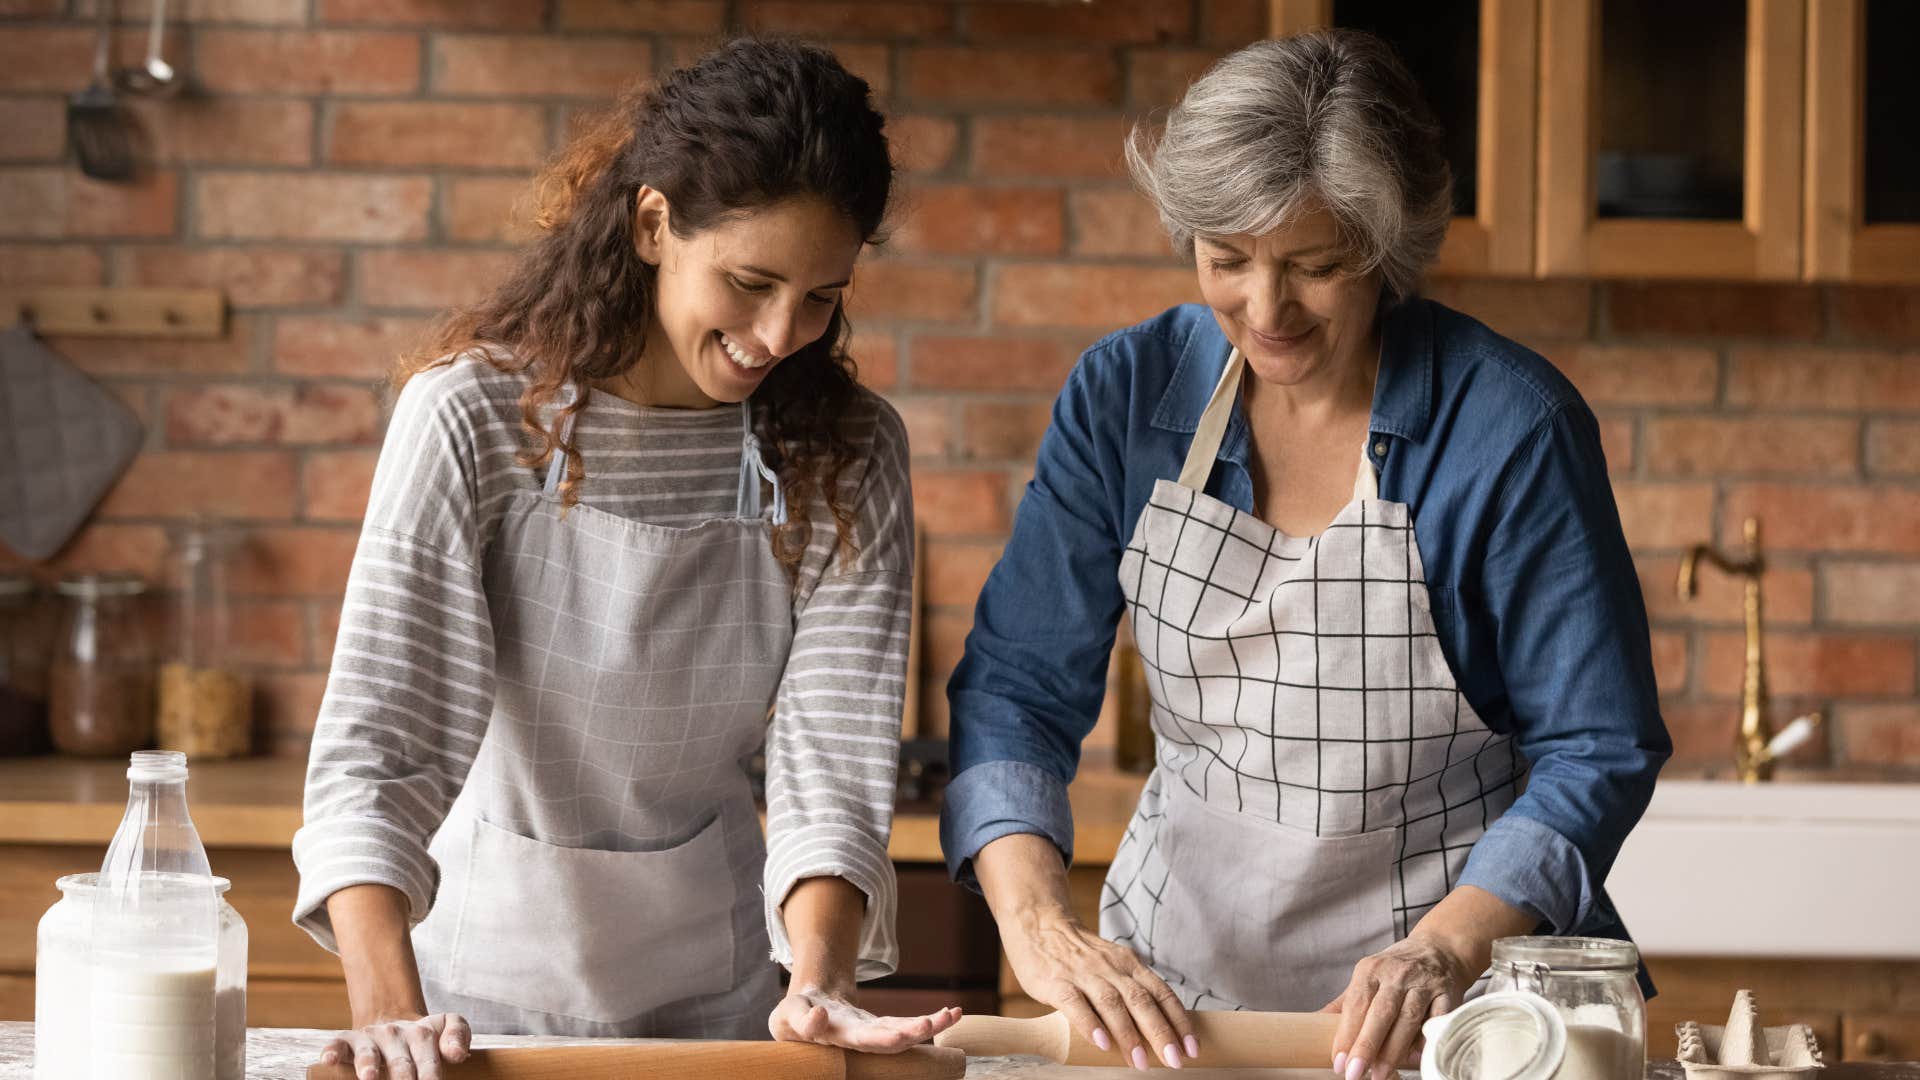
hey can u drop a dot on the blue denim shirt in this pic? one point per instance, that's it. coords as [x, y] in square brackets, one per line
[1534, 596]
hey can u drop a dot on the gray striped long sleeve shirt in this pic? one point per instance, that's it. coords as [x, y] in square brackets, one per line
[410, 692]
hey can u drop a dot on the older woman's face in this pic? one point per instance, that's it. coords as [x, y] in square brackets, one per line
[1289, 299]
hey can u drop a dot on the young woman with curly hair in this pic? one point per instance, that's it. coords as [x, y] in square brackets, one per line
[634, 520]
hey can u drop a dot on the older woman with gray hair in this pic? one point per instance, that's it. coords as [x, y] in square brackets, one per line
[1394, 641]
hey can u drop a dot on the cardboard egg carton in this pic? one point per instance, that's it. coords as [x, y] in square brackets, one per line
[1744, 1050]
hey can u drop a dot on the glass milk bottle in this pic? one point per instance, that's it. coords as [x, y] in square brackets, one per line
[146, 953]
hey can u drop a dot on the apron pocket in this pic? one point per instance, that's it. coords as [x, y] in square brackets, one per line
[1265, 916]
[602, 936]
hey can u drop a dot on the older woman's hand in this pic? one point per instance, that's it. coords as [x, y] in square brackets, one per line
[1392, 993]
[1111, 997]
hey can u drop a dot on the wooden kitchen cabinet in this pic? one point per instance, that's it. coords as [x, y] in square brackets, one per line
[1880, 1037]
[1475, 61]
[1863, 160]
[1671, 138]
[1722, 139]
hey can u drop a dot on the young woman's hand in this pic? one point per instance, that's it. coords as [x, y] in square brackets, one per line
[403, 1048]
[811, 1015]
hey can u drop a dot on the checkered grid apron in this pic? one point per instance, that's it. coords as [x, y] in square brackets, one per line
[601, 868]
[1319, 777]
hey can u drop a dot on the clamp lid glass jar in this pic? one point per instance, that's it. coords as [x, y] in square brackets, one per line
[205, 703]
[1594, 985]
[102, 685]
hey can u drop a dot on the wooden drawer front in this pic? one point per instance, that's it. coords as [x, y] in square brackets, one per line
[946, 931]
[1880, 1037]
[882, 1001]
[298, 1003]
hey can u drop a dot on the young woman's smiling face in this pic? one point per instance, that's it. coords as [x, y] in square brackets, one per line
[733, 300]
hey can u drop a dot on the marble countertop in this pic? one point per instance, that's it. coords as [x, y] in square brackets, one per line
[285, 1053]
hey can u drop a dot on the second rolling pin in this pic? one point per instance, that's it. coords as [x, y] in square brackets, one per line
[1234, 1040]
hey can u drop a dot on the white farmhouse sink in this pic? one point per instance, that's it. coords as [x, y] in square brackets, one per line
[1787, 870]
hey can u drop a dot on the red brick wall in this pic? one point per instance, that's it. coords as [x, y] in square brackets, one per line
[352, 167]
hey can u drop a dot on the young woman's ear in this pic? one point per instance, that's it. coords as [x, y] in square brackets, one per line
[649, 224]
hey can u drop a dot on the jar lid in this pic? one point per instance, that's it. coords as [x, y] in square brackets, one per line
[1505, 1035]
[1564, 954]
[95, 586]
[15, 585]
[89, 883]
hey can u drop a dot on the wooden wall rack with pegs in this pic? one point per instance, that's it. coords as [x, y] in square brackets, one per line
[117, 312]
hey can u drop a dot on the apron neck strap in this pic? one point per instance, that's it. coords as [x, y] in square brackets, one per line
[1365, 484]
[1212, 430]
[557, 467]
[753, 469]
[1213, 425]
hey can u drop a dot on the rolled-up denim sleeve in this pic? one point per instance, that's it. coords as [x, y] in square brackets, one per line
[1029, 686]
[1570, 630]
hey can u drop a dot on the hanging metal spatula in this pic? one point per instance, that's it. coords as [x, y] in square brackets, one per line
[101, 131]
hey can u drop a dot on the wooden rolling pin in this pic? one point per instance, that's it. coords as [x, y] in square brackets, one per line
[701, 1060]
[1229, 1040]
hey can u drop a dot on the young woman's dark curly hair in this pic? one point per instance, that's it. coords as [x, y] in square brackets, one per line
[750, 124]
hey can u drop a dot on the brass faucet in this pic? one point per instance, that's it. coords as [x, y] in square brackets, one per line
[1755, 746]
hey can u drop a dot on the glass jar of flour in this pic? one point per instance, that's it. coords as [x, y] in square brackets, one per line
[1558, 1008]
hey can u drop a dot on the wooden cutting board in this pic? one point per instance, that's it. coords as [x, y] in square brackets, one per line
[703, 1060]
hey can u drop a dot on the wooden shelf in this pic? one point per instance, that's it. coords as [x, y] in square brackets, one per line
[255, 803]
[118, 312]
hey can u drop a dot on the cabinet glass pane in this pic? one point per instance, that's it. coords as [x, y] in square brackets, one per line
[1892, 112]
[1439, 41]
[1672, 108]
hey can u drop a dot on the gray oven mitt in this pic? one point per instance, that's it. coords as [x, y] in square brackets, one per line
[64, 440]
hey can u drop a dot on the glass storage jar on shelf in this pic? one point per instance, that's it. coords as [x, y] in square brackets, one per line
[23, 668]
[205, 703]
[101, 703]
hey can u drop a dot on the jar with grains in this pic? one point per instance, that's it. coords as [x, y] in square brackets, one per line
[23, 668]
[101, 700]
[206, 704]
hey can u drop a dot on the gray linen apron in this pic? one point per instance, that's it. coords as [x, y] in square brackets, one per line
[601, 868]
[1319, 778]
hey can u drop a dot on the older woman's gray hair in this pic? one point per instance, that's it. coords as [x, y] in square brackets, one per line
[1328, 118]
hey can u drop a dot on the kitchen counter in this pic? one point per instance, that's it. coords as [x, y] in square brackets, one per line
[285, 1053]
[255, 803]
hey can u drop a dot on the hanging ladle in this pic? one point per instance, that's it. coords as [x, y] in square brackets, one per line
[154, 77]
